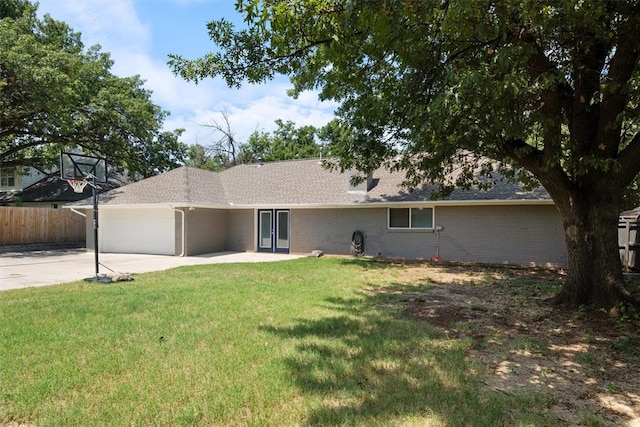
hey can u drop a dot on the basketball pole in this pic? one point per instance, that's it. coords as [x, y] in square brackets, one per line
[95, 224]
[80, 170]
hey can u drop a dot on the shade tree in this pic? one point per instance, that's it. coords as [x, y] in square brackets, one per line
[56, 95]
[549, 88]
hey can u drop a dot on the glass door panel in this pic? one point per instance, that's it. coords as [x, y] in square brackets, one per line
[273, 230]
[264, 230]
[282, 230]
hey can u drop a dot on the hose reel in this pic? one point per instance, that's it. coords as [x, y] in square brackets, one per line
[357, 243]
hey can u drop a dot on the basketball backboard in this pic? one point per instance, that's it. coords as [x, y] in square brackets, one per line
[78, 166]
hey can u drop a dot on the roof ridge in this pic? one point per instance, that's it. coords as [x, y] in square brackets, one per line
[213, 178]
[187, 182]
[318, 159]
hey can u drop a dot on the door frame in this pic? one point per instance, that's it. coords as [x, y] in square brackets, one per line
[268, 239]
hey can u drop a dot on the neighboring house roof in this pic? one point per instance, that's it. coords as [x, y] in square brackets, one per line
[50, 189]
[631, 215]
[293, 183]
[7, 197]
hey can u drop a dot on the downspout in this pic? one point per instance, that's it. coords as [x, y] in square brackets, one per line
[183, 230]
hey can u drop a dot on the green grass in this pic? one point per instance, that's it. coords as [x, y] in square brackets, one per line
[305, 342]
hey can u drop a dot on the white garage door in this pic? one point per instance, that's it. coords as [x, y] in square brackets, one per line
[138, 231]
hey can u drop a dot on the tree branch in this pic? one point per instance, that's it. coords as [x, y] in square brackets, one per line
[615, 90]
[629, 160]
[554, 97]
[524, 154]
[32, 162]
[13, 150]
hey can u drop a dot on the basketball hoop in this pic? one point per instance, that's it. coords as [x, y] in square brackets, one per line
[78, 184]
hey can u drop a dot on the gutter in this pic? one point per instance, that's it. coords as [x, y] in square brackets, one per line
[384, 204]
[183, 230]
[78, 212]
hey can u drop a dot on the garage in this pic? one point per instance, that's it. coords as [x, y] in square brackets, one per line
[141, 231]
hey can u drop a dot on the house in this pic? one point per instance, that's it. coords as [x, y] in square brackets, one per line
[300, 206]
[14, 179]
[629, 239]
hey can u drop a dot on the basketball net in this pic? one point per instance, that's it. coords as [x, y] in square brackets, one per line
[78, 184]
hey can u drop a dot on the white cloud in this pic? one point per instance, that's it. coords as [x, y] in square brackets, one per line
[113, 24]
[171, 92]
[260, 114]
[120, 30]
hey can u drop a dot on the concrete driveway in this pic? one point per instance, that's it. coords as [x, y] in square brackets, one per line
[41, 268]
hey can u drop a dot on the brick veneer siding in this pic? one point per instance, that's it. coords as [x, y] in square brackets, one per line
[206, 231]
[240, 230]
[496, 234]
[503, 234]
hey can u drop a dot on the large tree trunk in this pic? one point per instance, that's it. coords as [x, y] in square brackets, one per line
[594, 276]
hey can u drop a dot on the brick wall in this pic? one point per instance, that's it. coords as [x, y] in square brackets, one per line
[495, 234]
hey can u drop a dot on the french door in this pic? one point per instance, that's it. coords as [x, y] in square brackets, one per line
[273, 230]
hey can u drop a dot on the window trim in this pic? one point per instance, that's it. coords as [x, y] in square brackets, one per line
[6, 174]
[410, 227]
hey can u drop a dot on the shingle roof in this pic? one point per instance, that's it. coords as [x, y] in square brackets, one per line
[296, 182]
[50, 189]
[179, 186]
[288, 182]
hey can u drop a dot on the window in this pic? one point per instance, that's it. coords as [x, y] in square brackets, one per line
[7, 178]
[411, 218]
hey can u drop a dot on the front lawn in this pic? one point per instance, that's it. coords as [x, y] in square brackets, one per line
[330, 341]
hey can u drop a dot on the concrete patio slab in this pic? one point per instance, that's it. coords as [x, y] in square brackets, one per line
[40, 268]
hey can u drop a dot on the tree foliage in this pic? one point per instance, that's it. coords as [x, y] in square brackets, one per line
[551, 87]
[199, 156]
[56, 95]
[286, 142]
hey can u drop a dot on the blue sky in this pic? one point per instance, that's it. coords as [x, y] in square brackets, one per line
[140, 34]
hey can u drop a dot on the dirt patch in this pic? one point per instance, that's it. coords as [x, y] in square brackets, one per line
[585, 362]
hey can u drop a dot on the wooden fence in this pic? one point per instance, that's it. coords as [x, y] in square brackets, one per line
[25, 226]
